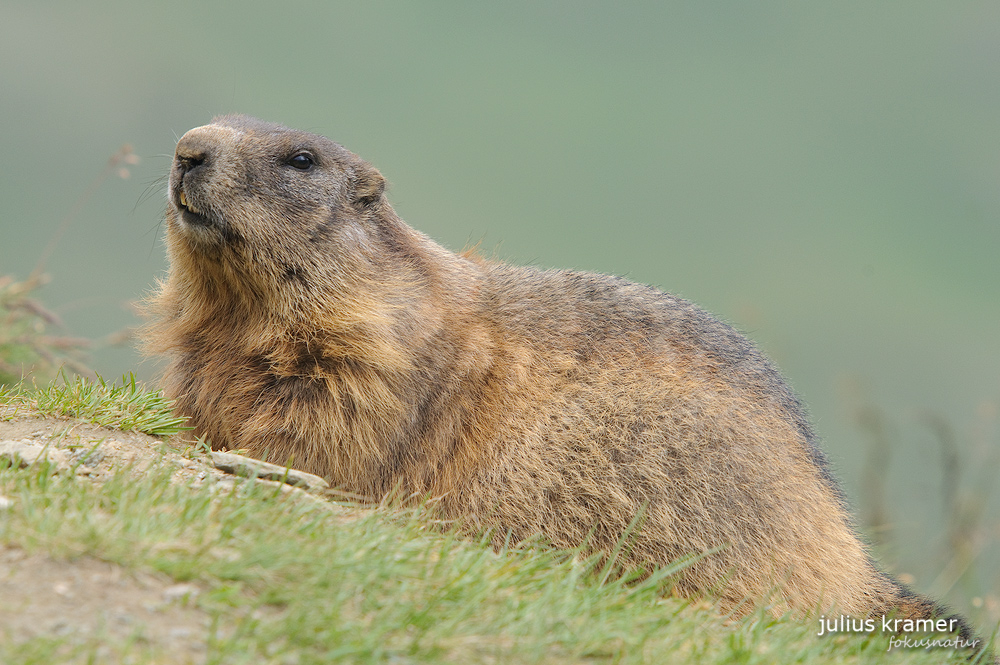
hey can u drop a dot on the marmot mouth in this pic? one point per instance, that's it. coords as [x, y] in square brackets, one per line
[189, 213]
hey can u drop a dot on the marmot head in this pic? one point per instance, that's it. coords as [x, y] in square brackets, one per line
[256, 204]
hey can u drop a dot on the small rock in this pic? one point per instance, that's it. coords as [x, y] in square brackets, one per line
[5, 503]
[19, 453]
[24, 453]
[62, 628]
[252, 468]
[91, 456]
[180, 592]
[226, 484]
[122, 619]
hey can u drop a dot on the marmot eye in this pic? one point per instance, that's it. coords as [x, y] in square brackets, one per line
[302, 161]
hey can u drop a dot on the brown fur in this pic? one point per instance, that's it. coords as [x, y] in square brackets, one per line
[306, 323]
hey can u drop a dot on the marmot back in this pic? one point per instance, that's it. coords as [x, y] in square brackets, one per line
[307, 324]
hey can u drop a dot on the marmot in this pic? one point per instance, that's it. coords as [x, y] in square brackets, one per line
[305, 323]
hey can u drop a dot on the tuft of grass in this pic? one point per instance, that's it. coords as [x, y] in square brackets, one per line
[128, 407]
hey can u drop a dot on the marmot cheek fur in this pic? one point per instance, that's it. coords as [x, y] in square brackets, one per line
[307, 324]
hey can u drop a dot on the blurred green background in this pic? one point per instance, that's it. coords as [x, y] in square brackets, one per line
[822, 175]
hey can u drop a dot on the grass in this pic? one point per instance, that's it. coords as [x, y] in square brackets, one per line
[291, 580]
[128, 407]
[383, 588]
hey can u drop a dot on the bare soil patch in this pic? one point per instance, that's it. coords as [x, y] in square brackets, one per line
[85, 600]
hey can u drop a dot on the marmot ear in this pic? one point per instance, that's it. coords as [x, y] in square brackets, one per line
[368, 186]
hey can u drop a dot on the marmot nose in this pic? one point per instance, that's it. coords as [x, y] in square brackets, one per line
[201, 146]
[191, 153]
